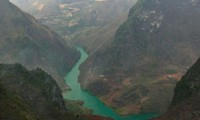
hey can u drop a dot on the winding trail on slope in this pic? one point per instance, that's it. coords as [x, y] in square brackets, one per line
[90, 101]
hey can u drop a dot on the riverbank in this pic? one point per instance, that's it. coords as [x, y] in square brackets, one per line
[90, 101]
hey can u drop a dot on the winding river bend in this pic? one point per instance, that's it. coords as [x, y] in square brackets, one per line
[90, 101]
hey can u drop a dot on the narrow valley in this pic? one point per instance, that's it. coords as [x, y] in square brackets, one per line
[99, 59]
[91, 101]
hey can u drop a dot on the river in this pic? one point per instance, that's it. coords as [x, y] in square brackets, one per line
[90, 101]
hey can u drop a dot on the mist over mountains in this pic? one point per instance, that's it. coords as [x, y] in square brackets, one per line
[81, 21]
[138, 51]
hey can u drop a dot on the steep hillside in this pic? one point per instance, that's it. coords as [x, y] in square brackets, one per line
[30, 95]
[33, 95]
[24, 40]
[185, 103]
[150, 52]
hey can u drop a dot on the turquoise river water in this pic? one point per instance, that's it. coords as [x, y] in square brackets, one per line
[90, 101]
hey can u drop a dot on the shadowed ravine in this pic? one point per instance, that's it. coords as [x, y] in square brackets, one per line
[90, 101]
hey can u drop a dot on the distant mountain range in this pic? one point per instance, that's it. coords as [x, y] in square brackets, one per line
[83, 22]
[39, 8]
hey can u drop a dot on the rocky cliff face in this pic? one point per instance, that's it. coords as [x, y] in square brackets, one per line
[185, 103]
[30, 95]
[150, 52]
[24, 40]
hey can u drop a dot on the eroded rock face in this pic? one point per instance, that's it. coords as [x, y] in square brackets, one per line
[152, 49]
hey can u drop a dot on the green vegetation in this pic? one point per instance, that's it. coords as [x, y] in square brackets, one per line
[171, 71]
[26, 95]
[185, 102]
[188, 86]
[14, 107]
[33, 95]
